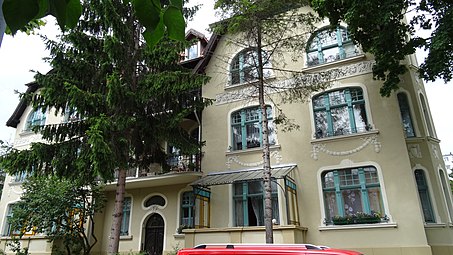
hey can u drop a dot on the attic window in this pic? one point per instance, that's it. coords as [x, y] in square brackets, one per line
[192, 52]
[35, 118]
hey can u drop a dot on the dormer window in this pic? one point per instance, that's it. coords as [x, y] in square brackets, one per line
[328, 45]
[192, 52]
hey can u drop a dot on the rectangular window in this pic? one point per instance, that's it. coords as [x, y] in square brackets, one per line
[340, 112]
[187, 209]
[124, 231]
[249, 203]
[246, 128]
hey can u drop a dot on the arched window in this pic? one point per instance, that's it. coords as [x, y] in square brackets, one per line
[155, 200]
[446, 190]
[246, 128]
[340, 112]
[328, 45]
[244, 67]
[35, 118]
[429, 125]
[351, 194]
[423, 193]
[406, 114]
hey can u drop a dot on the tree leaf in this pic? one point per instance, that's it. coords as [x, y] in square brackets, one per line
[73, 12]
[148, 13]
[152, 37]
[18, 13]
[58, 10]
[174, 20]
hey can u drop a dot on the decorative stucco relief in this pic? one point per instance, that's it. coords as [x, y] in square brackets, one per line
[275, 154]
[435, 152]
[317, 148]
[414, 151]
[300, 80]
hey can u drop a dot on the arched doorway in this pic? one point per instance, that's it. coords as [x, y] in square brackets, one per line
[154, 235]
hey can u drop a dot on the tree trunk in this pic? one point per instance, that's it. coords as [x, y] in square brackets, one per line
[266, 152]
[117, 217]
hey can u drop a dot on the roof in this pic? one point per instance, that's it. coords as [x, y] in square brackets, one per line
[14, 120]
[228, 177]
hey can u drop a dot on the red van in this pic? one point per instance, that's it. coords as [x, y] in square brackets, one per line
[264, 249]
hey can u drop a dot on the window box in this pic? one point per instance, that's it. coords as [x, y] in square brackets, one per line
[358, 218]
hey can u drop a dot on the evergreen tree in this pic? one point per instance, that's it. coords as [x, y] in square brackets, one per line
[125, 99]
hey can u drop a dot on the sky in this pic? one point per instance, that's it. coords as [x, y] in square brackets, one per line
[22, 53]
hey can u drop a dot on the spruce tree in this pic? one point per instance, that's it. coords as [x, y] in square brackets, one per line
[127, 98]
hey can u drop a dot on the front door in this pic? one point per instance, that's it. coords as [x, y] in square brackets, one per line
[154, 235]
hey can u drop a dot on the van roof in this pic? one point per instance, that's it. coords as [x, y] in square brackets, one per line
[262, 249]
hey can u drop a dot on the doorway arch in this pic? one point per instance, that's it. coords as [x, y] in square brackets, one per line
[154, 235]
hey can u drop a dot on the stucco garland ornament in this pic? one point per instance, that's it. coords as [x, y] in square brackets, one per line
[317, 148]
[235, 159]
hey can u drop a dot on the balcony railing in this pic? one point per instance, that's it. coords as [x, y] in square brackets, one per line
[176, 163]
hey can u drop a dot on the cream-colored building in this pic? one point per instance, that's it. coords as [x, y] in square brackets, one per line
[362, 172]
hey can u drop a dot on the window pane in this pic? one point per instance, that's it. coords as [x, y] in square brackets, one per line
[124, 231]
[349, 177]
[406, 115]
[331, 55]
[352, 201]
[239, 212]
[193, 51]
[272, 133]
[327, 181]
[341, 121]
[237, 137]
[360, 117]
[375, 199]
[328, 37]
[321, 124]
[253, 135]
[337, 98]
[331, 204]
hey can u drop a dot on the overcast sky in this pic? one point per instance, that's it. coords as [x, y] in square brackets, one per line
[22, 53]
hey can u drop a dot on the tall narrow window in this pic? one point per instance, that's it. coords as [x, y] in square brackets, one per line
[7, 227]
[35, 118]
[187, 209]
[429, 125]
[202, 214]
[406, 114]
[328, 45]
[446, 190]
[249, 203]
[244, 67]
[348, 192]
[423, 193]
[247, 129]
[292, 207]
[124, 231]
[340, 112]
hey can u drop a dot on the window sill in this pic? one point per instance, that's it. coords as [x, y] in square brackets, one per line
[436, 225]
[253, 150]
[126, 237]
[316, 68]
[343, 137]
[358, 226]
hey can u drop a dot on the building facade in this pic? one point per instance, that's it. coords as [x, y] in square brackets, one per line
[362, 172]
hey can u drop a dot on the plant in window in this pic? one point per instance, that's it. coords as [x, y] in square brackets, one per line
[357, 218]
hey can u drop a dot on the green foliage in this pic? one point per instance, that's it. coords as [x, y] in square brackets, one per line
[379, 26]
[129, 98]
[59, 208]
[154, 15]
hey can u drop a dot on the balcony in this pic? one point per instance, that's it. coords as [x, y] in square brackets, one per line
[181, 169]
